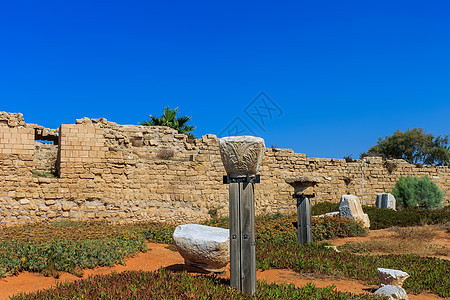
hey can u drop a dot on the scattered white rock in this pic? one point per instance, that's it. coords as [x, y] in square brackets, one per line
[392, 277]
[334, 248]
[392, 291]
[349, 206]
[203, 246]
[330, 214]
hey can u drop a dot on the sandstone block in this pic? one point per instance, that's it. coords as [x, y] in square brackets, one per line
[203, 246]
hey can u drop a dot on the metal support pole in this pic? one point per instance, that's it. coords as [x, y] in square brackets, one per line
[242, 235]
[304, 219]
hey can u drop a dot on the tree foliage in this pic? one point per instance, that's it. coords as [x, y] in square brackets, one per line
[417, 192]
[415, 146]
[170, 119]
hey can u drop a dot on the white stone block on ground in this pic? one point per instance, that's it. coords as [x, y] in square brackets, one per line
[203, 246]
[392, 291]
[385, 200]
[330, 214]
[392, 277]
[349, 206]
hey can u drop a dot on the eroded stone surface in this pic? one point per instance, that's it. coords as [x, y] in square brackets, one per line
[385, 200]
[203, 246]
[241, 155]
[349, 206]
[392, 277]
[300, 183]
[392, 291]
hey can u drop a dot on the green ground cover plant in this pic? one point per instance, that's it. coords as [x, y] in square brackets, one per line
[430, 274]
[164, 284]
[44, 247]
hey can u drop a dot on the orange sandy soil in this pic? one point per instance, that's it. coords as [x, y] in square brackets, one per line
[159, 256]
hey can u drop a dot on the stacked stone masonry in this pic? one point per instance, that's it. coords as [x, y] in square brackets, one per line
[127, 173]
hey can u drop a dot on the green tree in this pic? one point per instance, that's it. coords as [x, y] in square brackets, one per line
[415, 146]
[170, 119]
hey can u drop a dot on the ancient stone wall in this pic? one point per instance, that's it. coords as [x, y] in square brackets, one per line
[45, 158]
[127, 173]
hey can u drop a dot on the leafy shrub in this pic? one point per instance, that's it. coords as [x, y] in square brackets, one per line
[336, 227]
[413, 192]
[280, 228]
[324, 207]
[384, 218]
[168, 285]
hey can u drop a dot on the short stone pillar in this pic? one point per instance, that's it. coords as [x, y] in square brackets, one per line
[304, 224]
[241, 157]
[385, 200]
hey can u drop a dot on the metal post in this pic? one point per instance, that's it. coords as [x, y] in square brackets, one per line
[242, 234]
[304, 219]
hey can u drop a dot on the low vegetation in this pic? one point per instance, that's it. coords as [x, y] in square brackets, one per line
[163, 284]
[406, 240]
[67, 246]
[384, 218]
[281, 228]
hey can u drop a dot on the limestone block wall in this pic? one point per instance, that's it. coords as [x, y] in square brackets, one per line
[127, 173]
[45, 157]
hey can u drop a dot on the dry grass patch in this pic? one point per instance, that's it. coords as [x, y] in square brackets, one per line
[423, 241]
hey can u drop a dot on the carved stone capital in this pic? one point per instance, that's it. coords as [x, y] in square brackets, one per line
[301, 183]
[241, 155]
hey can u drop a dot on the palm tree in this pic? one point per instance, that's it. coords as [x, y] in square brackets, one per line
[170, 119]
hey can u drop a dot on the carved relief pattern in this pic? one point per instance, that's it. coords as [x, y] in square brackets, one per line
[241, 157]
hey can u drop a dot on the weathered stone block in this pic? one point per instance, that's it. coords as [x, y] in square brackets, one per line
[241, 155]
[349, 206]
[385, 200]
[392, 277]
[203, 246]
[392, 292]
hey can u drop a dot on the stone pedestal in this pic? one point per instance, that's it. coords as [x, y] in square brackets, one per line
[304, 225]
[241, 157]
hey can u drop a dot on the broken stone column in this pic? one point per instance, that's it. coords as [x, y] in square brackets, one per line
[349, 206]
[241, 157]
[304, 225]
[385, 200]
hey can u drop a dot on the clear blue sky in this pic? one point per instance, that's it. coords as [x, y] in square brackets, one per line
[338, 74]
